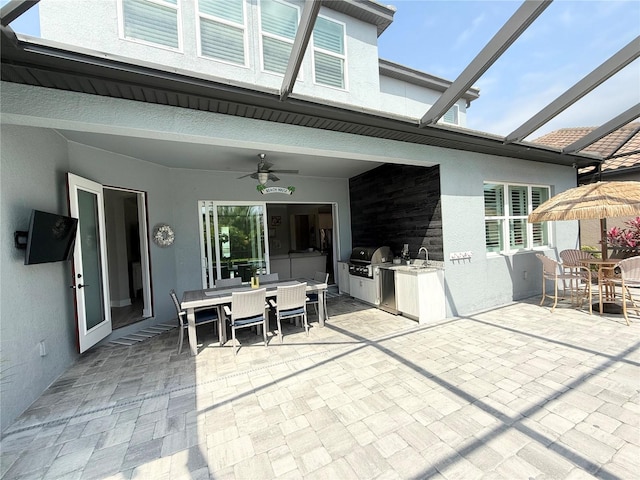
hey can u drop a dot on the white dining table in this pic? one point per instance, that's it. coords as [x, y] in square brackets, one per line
[193, 300]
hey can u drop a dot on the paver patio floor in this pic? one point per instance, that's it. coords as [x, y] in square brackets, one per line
[515, 393]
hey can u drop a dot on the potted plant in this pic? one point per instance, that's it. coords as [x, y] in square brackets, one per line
[624, 242]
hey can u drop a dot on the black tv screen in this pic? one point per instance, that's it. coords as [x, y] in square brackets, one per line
[51, 238]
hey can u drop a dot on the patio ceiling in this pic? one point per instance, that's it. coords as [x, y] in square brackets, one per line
[37, 62]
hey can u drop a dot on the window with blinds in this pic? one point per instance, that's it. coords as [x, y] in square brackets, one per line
[452, 115]
[506, 208]
[278, 26]
[151, 21]
[222, 30]
[329, 57]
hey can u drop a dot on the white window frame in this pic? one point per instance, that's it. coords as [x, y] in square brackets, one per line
[140, 41]
[505, 220]
[456, 113]
[223, 21]
[207, 250]
[263, 34]
[343, 56]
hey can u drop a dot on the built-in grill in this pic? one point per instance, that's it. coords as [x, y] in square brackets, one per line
[363, 259]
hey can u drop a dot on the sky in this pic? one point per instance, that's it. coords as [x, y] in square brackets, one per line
[566, 42]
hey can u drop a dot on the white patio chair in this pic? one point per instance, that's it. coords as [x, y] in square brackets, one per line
[248, 309]
[290, 303]
[209, 315]
[228, 282]
[268, 277]
[314, 297]
[553, 271]
[629, 279]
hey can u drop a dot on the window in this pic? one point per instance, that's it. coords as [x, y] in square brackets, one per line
[452, 115]
[506, 208]
[278, 23]
[151, 21]
[222, 30]
[233, 241]
[329, 53]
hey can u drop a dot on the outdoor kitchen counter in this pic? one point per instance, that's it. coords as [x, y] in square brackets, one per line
[420, 291]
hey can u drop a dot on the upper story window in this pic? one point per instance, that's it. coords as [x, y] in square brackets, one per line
[222, 30]
[452, 115]
[506, 208]
[154, 22]
[278, 24]
[329, 57]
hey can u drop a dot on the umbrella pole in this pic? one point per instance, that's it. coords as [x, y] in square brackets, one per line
[603, 237]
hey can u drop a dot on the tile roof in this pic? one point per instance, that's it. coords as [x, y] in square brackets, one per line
[625, 156]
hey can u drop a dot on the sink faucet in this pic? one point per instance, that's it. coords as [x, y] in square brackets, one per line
[426, 253]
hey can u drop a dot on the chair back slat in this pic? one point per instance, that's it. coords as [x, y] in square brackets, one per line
[228, 282]
[269, 277]
[572, 257]
[321, 277]
[630, 269]
[176, 303]
[294, 296]
[248, 304]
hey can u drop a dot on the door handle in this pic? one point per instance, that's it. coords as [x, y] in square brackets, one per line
[82, 286]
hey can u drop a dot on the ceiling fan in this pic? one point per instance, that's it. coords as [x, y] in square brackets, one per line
[265, 172]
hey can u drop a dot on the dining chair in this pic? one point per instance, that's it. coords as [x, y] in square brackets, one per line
[228, 282]
[248, 309]
[269, 277]
[208, 315]
[629, 279]
[553, 271]
[290, 303]
[313, 297]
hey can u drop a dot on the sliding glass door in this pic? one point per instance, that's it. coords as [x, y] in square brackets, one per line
[233, 240]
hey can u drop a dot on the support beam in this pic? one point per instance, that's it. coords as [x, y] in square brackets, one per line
[13, 9]
[623, 143]
[604, 130]
[610, 67]
[501, 41]
[307, 21]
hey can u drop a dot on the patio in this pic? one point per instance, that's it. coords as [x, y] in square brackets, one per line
[513, 392]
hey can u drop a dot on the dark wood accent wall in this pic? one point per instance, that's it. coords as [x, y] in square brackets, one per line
[397, 204]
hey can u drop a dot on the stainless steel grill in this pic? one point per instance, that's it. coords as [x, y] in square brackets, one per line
[363, 259]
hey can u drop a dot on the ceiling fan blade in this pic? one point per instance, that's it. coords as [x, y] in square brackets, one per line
[286, 171]
[264, 166]
[273, 178]
[247, 175]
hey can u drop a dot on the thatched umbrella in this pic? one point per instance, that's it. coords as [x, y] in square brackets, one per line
[594, 201]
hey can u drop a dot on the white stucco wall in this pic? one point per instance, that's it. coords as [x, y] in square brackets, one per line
[34, 161]
[488, 280]
[95, 27]
[35, 300]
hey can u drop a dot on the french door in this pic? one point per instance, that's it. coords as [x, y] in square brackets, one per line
[90, 272]
[232, 240]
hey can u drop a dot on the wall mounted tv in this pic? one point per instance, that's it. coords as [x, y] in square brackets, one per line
[51, 238]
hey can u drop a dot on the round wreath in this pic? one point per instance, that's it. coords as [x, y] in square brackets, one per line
[163, 235]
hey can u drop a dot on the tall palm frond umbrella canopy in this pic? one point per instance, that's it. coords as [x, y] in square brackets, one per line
[599, 200]
[595, 200]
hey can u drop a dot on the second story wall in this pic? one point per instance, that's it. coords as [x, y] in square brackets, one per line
[243, 42]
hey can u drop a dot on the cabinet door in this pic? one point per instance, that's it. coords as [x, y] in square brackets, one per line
[407, 293]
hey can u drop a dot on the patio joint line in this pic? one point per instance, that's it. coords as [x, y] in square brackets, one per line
[148, 396]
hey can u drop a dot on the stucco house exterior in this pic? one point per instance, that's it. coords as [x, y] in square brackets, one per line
[175, 125]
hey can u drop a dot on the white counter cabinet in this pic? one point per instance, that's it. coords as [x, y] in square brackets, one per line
[420, 294]
[365, 289]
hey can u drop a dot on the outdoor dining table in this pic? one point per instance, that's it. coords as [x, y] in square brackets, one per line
[605, 269]
[216, 297]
